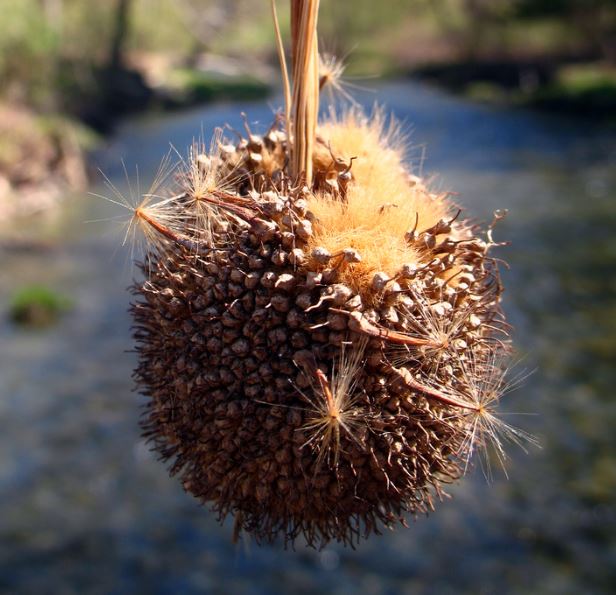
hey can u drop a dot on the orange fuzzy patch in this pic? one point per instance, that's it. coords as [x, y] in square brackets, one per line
[382, 201]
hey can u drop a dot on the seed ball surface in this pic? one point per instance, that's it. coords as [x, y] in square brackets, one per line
[289, 399]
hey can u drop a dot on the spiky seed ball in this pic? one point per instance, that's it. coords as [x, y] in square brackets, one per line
[316, 359]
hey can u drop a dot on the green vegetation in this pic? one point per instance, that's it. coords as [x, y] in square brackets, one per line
[57, 54]
[191, 86]
[65, 55]
[37, 306]
[52, 52]
[585, 89]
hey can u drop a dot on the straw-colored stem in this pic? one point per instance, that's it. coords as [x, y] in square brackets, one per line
[304, 17]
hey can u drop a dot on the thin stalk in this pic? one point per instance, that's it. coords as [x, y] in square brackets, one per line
[439, 396]
[283, 68]
[164, 230]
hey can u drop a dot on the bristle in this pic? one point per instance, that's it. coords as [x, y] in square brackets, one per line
[381, 205]
[378, 143]
[334, 416]
[204, 176]
[484, 383]
[446, 330]
[157, 207]
[331, 80]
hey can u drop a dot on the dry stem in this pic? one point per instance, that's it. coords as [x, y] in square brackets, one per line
[305, 110]
[283, 68]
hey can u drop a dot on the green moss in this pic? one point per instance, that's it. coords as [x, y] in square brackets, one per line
[36, 305]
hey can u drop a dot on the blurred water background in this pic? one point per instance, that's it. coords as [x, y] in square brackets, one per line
[85, 507]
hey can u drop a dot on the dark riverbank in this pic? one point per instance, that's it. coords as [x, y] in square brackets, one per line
[575, 87]
[118, 94]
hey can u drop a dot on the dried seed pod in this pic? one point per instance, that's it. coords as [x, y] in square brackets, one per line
[321, 255]
[350, 255]
[304, 230]
[308, 372]
[285, 282]
[279, 257]
[379, 281]
[297, 257]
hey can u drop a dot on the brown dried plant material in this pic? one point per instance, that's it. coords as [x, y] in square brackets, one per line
[305, 102]
[320, 359]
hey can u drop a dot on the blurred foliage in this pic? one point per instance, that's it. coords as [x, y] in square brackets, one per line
[37, 306]
[52, 52]
[595, 20]
[531, 8]
[194, 86]
[582, 89]
[26, 45]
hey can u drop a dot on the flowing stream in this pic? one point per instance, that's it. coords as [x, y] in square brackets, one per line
[86, 508]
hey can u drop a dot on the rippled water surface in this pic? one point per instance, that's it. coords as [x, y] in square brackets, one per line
[87, 509]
